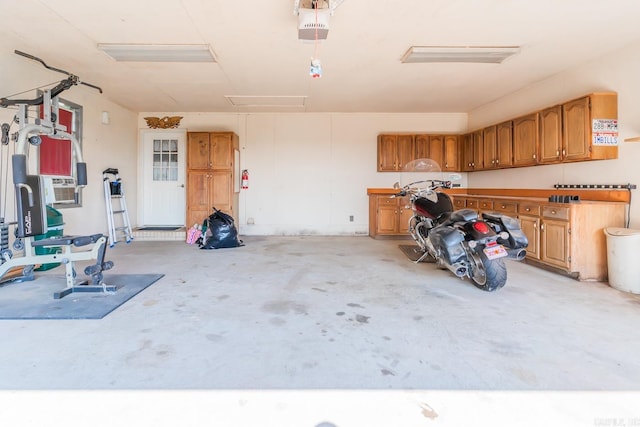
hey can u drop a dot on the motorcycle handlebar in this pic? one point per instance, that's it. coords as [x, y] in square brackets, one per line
[433, 184]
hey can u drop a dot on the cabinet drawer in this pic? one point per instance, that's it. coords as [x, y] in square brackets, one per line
[458, 203]
[485, 204]
[387, 201]
[472, 204]
[556, 212]
[529, 209]
[506, 207]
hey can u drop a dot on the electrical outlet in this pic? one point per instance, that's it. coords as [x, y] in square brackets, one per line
[350, 218]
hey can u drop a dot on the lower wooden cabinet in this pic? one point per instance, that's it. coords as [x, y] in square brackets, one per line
[567, 237]
[389, 217]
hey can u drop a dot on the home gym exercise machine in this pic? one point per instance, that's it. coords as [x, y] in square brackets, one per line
[30, 198]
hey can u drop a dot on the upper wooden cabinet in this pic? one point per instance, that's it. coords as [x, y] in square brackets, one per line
[551, 147]
[442, 149]
[525, 140]
[394, 152]
[590, 127]
[206, 150]
[579, 130]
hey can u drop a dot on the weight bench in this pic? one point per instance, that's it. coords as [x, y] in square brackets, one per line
[32, 223]
[67, 257]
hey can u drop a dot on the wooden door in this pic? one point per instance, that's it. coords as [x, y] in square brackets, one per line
[221, 151]
[198, 199]
[478, 150]
[436, 149]
[467, 152]
[551, 135]
[387, 151]
[577, 129]
[525, 140]
[422, 146]
[504, 144]
[198, 151]
[490, 147]
[450, 156]
[530, 226]
[220, 190]
[406, 151]
[554, 248]
[387, 216]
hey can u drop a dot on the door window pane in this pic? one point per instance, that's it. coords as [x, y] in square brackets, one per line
[165, 159]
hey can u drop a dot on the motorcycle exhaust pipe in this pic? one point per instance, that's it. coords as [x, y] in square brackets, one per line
[517, 254]
[458, 270]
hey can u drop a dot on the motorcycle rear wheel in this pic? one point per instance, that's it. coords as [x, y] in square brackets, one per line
[487, 274]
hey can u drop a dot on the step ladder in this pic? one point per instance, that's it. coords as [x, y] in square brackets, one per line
[114, 193]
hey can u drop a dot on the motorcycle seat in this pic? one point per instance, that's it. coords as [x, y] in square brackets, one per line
[462, 215]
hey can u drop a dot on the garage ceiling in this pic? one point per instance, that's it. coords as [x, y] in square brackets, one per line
[260, 57]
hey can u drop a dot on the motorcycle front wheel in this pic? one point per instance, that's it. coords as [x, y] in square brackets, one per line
[487, 274]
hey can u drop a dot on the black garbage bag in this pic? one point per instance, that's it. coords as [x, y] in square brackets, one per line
[220, 232]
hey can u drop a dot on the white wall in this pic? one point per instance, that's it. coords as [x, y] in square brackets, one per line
[113, 145]
[310, 172]
[618, 72]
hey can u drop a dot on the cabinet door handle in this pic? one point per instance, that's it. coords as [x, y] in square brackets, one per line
[534, 156]
[541, 227]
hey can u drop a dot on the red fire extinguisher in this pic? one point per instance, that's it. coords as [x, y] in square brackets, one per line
[245, 179]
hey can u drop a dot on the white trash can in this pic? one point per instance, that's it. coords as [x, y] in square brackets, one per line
[623, 247]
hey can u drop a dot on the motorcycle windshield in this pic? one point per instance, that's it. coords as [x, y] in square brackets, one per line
[422, 165]
[416, 174]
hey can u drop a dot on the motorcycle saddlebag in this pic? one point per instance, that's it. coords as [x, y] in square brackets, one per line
[517, 239]
[448, 240]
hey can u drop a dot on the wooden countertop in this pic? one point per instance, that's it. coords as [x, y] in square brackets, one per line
[623, 196]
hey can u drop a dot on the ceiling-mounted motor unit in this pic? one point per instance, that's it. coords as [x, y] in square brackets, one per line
[313, 24]
[313, 18]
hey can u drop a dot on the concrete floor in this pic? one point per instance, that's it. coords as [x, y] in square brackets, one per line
[304, 320]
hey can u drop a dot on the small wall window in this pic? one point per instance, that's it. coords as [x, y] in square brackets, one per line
[56, 159]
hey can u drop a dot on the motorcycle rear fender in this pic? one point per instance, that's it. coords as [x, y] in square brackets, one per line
[517, 239]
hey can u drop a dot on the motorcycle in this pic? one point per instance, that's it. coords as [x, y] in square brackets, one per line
[462, 241]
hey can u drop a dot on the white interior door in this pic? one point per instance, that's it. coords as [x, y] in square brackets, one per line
[164, 178]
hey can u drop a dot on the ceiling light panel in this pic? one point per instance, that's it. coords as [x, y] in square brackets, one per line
[473, 54]
[266, 101]
[158, 52]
